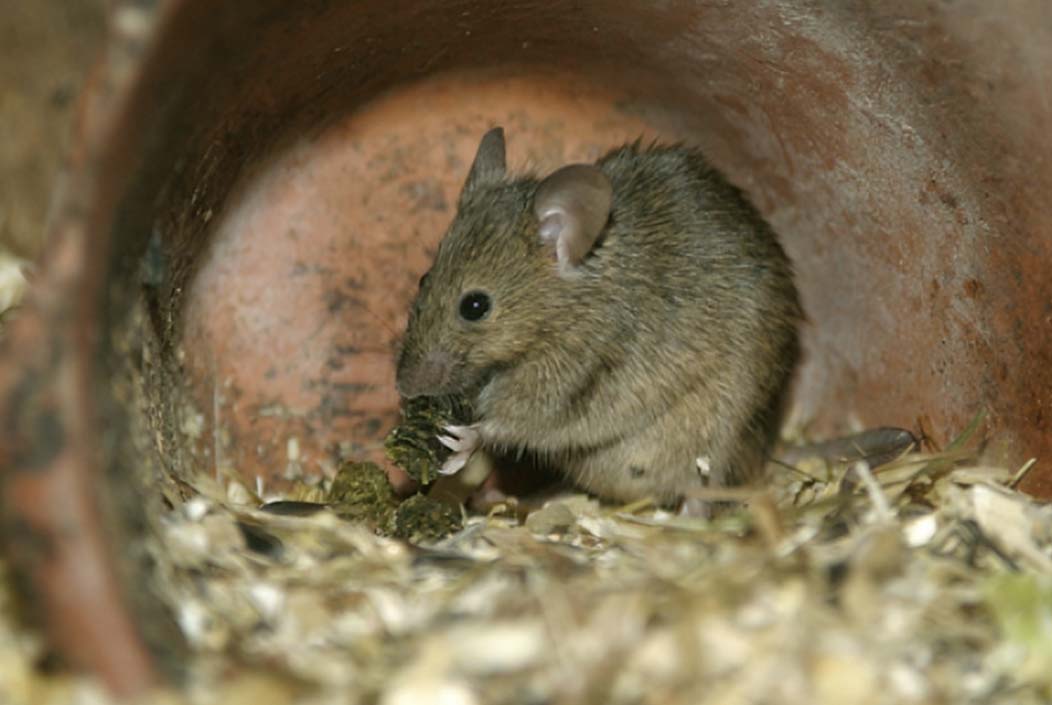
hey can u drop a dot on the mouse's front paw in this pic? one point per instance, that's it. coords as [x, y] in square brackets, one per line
[463, 441]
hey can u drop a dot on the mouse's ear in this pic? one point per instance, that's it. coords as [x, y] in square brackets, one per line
[573, 206]
[489, 161]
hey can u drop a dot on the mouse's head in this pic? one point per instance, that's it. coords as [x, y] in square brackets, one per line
[502, 272]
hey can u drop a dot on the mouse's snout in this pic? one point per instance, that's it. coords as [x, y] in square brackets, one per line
[425, 375]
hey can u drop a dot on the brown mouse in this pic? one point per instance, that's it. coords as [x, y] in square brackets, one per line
[632, 323]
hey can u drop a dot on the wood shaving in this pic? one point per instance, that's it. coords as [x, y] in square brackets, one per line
[925, 581]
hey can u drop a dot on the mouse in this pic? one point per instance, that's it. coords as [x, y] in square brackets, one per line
[632, 323]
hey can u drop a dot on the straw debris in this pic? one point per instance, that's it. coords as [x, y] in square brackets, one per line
[927, 580]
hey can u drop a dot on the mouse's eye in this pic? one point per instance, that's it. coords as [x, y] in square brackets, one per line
[474, 306]
[423, 278]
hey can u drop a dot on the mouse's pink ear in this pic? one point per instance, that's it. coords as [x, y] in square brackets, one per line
[489, 161]
[573, 206]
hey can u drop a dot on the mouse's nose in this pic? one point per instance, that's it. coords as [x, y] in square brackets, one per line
[427, 376]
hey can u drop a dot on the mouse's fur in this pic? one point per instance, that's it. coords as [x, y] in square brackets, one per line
[672, 339]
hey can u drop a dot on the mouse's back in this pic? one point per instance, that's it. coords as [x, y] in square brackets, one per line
[703, 277]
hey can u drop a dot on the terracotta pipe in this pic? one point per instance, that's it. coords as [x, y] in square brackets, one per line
[254, 188]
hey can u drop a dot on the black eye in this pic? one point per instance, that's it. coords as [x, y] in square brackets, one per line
[420, 284]
[474, 306]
